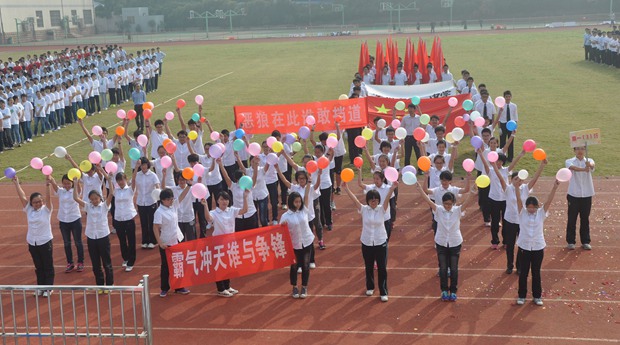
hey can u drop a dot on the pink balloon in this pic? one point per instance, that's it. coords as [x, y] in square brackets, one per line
[563, 175]
[310, 120]
[272, 159]
[500, 101]
[215, 136]
[47, 170]
[36, 163]
[492, 156]
[143, 140]
[395, 123]
[94, 157]
[199, 191]
[254, 149]
[111, 167]
[270, 141]
[468, 165]
[97, 130]
[121, 114]
[391, 174]
[453, 101]
[222, 147]
[169, 115]
[199, 169]
[215, 151]
[529, 145]
[479, 121]
[331, 142]
[199, 99]
[166, 162]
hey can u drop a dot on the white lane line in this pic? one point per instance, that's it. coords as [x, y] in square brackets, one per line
[116, 124]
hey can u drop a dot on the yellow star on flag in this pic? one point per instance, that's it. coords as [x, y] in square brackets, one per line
[382, 109]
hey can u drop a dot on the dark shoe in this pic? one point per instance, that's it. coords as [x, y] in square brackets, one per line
[509, 271]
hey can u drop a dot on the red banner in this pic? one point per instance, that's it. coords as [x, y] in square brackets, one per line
[287, 118]
[229, 256]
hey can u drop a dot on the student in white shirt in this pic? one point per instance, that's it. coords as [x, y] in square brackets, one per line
[507, 113]
[146, 181]
[374, 237]
[223, 219]
[167, 234]
[400, 77]
[70, 222]
[25, 125]
[410, 122]
[448, 239]
[123, 219]
[432, 76]
[445, 74]
[379, 184]
[39, 236]
[157, 136]
[249, 219]
[531, 241]
[98, 232]
[579, 196]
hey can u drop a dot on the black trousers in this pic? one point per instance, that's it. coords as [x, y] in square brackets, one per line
[485, 203]
[68, 114]
[448, 257]
[146, 214]
[199, 213]
[578, 207]
[410, 143]
[354, 151]
[530, 259]
[272, 188]
[72, 229]
[283, 188]
[378, 254]
[303, 258]
[112, 93]
[249, 223]
[164, 273]
[222, 285]
[510, 231]
[587, 51]
[139, 116]
[505, 134]
[326, 210]
[498, 208]
[99, 252]
[126, 233]
[43, 258]
[318, 228]
[230, 169]
[189, 231]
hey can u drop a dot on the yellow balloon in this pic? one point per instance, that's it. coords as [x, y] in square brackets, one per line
[85, 166]
[367, 133]
[295, 135]
[81, 113]
[74, 173]
[483, 181]
[333, 135]
[192, 135]
[277, 147]
[449, 138]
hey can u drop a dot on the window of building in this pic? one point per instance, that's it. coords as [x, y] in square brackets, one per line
[39, 15]
[131, 20]
[74, 17]
[55, 18]
[88, 17]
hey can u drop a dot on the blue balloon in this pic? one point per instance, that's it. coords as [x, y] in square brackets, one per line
[239, 133]
[511, 125]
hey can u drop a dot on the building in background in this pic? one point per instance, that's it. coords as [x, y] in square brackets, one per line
[37, 20]
[138, 20]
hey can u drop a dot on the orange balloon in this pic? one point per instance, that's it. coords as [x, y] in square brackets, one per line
[147, 113]
[323, 162]
[148, 105]
[311, 166]
[120, 131]
[166, 142]
[347, 175]
[424, 163]
[188, 173]
[539, 154]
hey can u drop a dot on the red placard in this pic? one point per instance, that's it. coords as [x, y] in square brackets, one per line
[229, 256]
[287, 118]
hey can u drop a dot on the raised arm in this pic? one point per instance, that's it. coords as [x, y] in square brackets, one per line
[445, 119]
[467, 187]
[508, 142]
[282, 178]
[76, 197]
[20, 192]
[183, 194]
[539, 171]
[454, 155]
[48, 193]
[516, 160]
[53, 183]
[86, 132]
[484, 161]
[425, 197]
[180, 115]
[551, 195]
[290, 160]
[386, 202]
[499, 175]
[372, 163]
[246, 202]
[360, 182]
[167, 129]
[468, 201]
[70, 159]
[108, 199]
[357, 203]
[224, 173]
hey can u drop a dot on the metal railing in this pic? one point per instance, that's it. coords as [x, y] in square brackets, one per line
[80, 314]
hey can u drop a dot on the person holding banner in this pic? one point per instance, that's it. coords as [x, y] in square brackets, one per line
[580, 193]
[224, 219]
[374, 237]
[249, 219]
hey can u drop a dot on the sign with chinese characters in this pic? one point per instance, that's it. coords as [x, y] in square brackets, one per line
[287, 118]
[433, 90]
[585, 137]
[229, 256]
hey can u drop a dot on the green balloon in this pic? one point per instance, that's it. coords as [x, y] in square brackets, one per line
[296, 146]
[245, 182]
[196, 117]
[238, 145]
[106, 154]
[425, 119]
[468, 105]
[134, 154]
[415, 100]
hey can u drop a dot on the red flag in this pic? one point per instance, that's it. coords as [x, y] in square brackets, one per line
[379, 62]
[366, 54]
[360, 66]
[395, 57]
[423, 61]
[407, 64]
[437, 57]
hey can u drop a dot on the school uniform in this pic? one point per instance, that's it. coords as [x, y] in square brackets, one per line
[390, 212]
[98, 240]
[374, 240]
[170, 235]
[260, 194]
[510, 225]
[312, 210]
[123, 222]
[224, 223]
[410, 123]
[70, 223]
[497, 199]
[145, 183]
[287, 170]
[448, 241]
[483, 193]
[39, 238]
[302, 239]
[213, 179]
[508, 113]
[579, 197]
[532, 245]
[325, 198]
[248, 220]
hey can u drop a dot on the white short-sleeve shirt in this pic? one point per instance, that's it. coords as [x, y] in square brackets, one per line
[224, 220]
[168, 218]
[97, 220]
[39, 225]
[531, 227]
[298, 227]
[68, 209]
[123, 202]
[373, 226]
[448, 226]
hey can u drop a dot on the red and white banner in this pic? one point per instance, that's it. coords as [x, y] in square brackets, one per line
[229, 256]
[287, 118]
[434, 90]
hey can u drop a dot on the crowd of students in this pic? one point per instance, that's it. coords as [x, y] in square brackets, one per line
[602, 47]
[42, 93]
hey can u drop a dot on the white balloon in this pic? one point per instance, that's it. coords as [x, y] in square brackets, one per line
[523, 174]
[60, 152]
[155, 194]
[426, 137]
[474, 115]
[381, 123]
[458, 133]
[400, 133]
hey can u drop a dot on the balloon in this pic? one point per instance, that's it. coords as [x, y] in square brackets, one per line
[338, 118]
[9, 172]
[468, 165]
[415, 100]
[239, 133]
[199, 99]
[523, 174]
[85, 166]
[539, 154]
[360, 141]
[450, 138]
[195, 117]
[474, 115]
[111, 167]
[476, 142]
[120, 131]
[169, 116]
[192, 135]
[358, 162]
[311, 166]
[347, 175]
[419, 133]
[304, 132]
[426, 138]
[529, 145]
[47, 170]
[271, 140]
[424, 163]
[395, 123]
[215, 151]
[409, 178]
[148, 105]
[381, 123]
[331, 142]
[188, 173]
[511, 125]
[453, 101]
[238, 145]
[458, 134]
[97, 130]
[272, 159]
[343, 97]
[199, 191]
[289, 139]
[332, 135]
[468, 104]
[400, 133]
[408, 168]
[296, 146]
[245, 182]
[94, 157]
[367, 133]
[277, 147]
[171, 148]
[81, 113]
[36, 163]
[203, 120]
[134, 154]
[60, 152]
[391, 174]
[310, 120]
[180, 103]
[106, 154]
[322, 162]
[121, 114]
[466, 117]
[155, 194]
[458, 121]
[74, 173]
[563, 175]
[222, 147]
[166, 142]
[131, 114]
[254, 149]
[500, 101]
[479, 122]
[492, 156]
[199, 169]
[215, 136]
[425, 119]
[147, 113]
[483, 181]
[400, 105]
[166, 161]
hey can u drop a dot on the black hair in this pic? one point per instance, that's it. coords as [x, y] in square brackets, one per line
[507, 93]
[94, 192]
[379, 174]
[34, 195]
[434, 117]
[301, 173]
[439, 142]
[120, 176]
[238, 174]
[193, 158]
[448, 197]
[376, 119]
[166, 194]
[440, 128]
[181, 132]
[439, 157]
[225, 132]
[137, 133]
[513, 175]
[224, 195]
[484, 92]
[502, 157]
[390, 130]
[320, 147]
[66, 177]
[384, 144]
[291, 202]
[532, 200]
[144, 160]
[323, 136]
[445, 175]
[373, 195]
[115, 151]
[159, 122]
[486, 130]
[276, 133]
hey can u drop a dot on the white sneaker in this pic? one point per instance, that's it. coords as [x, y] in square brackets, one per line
[224, 293]
[384, 298]
[284, 207]
[151, 246]
[332, 205]
[38, 293]
[538, 301]
[144, 245]
[233, 291]
[520, 301]
[275, 222]
[299, 270]
[113, 230]
[124, 264]
[128, 268]
[47, 293]
[369, 292]
[312, 265]
[487, 224]
[586, 246]
[570, 246]
[209, 226]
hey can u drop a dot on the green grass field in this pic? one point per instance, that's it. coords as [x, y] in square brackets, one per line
[555, 89]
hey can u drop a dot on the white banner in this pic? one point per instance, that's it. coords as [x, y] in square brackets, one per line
[434, 90]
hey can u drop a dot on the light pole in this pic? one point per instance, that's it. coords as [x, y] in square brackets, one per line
[450, 4]
[206, 15]
[387, 6]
